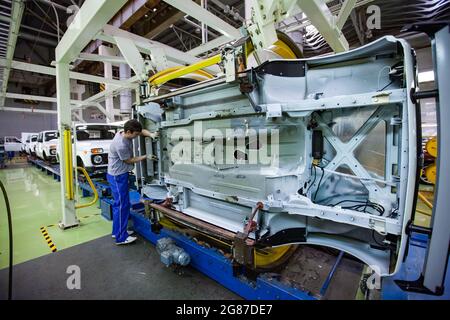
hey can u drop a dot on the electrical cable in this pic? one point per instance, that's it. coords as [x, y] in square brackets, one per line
[362, 204]
[320, 181]
[315, 175]
[8, 212]
[57, 20]
[387, 85]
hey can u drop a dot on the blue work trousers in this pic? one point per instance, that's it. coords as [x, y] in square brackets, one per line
[121, 205]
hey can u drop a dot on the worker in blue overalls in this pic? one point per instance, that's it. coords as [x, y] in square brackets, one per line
[120, 163]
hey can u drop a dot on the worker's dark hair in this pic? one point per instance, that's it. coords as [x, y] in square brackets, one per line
[132, 126]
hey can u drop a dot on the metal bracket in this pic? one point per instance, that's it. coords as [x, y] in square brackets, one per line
[242, 253]
[229, 63]
[273, 111]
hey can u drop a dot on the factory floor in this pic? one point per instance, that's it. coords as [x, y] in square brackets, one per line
[35, 202]
[108, 271]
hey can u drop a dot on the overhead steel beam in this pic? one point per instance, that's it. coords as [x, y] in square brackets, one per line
[32, 37]
[109, 92]
[101, 58]
[346, 9]
[108, 74]
[133, 11]
[195, 25]
[305, 22]
[16, 19]
[8, 20]
[41, 98]
[210, 45]
[92, 16]
[359, 32]
[131, 55]
[149, 47]
[52, 71]
[28, 110]
[125, 18]
[164, 25]
[227, 10]
[320, 16]
[194, 10]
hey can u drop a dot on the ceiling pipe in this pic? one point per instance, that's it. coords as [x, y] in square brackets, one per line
[57, 6]
[32, 37]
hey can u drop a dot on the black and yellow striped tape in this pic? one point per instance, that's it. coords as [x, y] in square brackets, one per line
[47, 238]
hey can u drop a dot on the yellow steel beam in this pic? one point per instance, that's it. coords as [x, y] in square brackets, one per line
[67, 138]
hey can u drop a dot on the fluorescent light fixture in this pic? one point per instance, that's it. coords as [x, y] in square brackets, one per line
[429, 125]
[426, 76]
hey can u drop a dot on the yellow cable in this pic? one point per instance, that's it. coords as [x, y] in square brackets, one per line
[94, 201]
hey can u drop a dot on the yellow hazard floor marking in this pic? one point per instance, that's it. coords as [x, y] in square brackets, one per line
[47, 238]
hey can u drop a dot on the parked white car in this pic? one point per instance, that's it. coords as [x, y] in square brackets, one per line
[31, 144]
[25, 138]
[12, 144]
[92, 145]
[46, 145]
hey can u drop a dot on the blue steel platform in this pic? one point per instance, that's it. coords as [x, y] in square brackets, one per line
[213, 264]
[410, 270]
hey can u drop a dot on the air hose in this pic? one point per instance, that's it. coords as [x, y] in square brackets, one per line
[8, 211]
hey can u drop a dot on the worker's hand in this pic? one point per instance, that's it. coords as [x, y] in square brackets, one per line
[142, 157]
[154, 135]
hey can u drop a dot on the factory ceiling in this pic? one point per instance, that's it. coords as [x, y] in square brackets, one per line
[44, 23]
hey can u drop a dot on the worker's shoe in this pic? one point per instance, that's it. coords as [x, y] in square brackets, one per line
[130, 232]
[128, 240]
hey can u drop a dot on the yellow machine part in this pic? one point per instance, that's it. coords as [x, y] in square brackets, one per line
[197, 75]
[432, 147]
[265, 259]
[430, 173]
[177, 72]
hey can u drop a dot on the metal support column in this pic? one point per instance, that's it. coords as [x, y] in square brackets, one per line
[92, 16]
[432, 278]
[109, 101]
[69, 218]
[438, 252]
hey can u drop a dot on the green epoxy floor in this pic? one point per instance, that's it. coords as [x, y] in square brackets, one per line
[35, 202]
